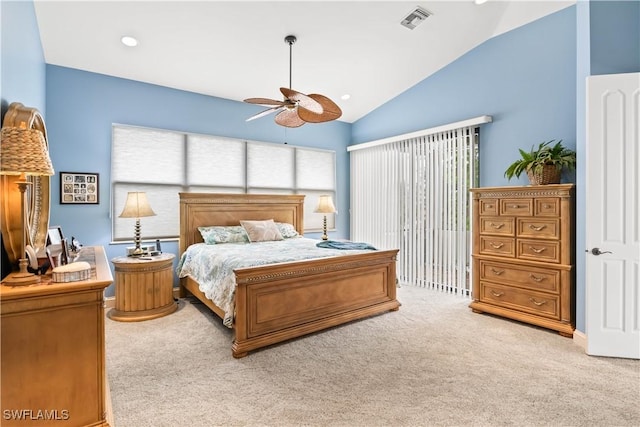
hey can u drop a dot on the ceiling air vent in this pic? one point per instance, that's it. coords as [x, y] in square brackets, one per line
[416, 16]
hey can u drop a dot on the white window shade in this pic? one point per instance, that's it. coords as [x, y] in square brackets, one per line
[270, 166]
[214, 161]
[147, 155]
[315, 169]
[164, 163]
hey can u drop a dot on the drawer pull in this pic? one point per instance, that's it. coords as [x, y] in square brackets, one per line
[536, 302]
[496, 245]
[538, 251]
[497, 294]
[497, 226]
[518, 206]
[547, 206]
[536, 278]
[538, 228]
[496, 271]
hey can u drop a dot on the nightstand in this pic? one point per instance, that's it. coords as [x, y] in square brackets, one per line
[144, 288]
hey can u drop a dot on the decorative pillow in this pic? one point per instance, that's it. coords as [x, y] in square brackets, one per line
[223, 234]
[287, 230]
[261, 231]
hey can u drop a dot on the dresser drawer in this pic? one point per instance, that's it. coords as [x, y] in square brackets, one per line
[518, 275]
[542, 228]
[502, 246]
[517, 207]
[488, 207]
[520, 299]
[539, 250]
[497, 225]
[547, 206]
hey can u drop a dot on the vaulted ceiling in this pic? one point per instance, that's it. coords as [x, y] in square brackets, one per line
[236, 49]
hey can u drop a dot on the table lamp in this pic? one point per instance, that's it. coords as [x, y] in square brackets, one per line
[137, 206]
[23, 152]
[325, 206]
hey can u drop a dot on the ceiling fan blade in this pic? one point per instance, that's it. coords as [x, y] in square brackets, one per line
[330, 111]
[302, 100]
[263, 113]
[264, 101]
[289, 118]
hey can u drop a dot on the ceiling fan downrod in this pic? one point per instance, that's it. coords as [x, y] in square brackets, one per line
[290, 40]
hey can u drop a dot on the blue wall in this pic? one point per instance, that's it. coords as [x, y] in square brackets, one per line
[23, 67]
[525, 79]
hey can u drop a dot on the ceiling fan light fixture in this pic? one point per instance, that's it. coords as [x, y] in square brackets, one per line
[297, 108]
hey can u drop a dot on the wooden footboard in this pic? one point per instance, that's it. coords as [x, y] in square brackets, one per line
[279, 302]
[283, 301]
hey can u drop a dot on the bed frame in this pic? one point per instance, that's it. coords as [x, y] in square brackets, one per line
[278, 302]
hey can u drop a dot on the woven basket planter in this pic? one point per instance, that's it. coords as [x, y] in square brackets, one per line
[550, 174]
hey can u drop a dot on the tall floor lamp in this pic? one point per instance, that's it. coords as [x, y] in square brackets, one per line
[23, 152]
[137, 206]
[325, 206]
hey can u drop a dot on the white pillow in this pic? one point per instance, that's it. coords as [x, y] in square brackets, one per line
[261, 231]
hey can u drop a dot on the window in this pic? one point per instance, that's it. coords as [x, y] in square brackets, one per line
[164, 163]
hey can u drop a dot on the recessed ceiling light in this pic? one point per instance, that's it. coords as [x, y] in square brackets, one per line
[479, 1]
[345, 97]
[129, 41]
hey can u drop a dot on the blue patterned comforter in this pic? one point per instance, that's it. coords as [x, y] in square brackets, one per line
[212, 265]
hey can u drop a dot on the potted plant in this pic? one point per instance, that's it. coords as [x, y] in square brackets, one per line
[543, 164]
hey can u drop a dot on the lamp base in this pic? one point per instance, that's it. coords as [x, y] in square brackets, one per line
[21, 279]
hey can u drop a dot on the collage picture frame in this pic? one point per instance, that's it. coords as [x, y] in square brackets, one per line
[79, 188]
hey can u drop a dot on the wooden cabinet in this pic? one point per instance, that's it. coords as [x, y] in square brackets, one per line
[53, 350]
[523, 254]
[144, 288]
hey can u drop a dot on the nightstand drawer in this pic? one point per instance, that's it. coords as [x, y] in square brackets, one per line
[497, 225]
[519, 299]
[539, 228]
[539, 250]
[542, 279]
[518, 207]
[501, 246]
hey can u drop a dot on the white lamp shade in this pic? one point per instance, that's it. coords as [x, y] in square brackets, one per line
[137, 206]
[325, 205]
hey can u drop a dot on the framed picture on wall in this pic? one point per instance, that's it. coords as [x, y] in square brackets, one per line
[79, 188]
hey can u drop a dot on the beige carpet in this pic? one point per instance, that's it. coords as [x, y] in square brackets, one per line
[432, 363]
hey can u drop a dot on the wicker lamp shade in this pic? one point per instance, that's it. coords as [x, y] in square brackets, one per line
[24, 151]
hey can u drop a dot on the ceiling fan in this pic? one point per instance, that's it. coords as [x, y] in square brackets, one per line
[297, 108]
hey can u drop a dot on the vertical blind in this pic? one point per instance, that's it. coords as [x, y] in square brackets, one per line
[164, 163]
[413, 194]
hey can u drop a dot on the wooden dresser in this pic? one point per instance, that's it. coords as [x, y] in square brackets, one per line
[53, 350]
[523, 254]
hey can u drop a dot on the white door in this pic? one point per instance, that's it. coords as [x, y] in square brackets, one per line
[612, 217]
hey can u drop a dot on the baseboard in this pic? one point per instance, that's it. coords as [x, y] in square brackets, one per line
[580, 339]
[110, 302]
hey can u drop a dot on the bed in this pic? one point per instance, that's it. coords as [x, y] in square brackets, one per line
[278, 302]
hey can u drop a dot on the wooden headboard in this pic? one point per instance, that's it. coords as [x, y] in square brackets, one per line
[205, 209]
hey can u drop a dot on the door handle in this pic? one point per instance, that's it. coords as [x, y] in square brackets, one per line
[597, 251]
